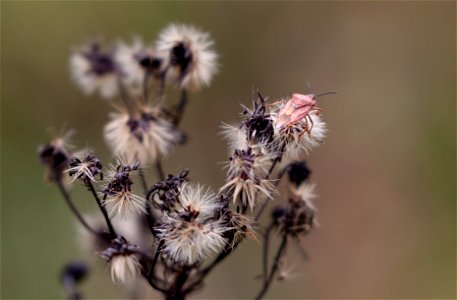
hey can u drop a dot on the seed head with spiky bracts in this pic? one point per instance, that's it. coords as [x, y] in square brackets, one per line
[245, 178]
[165, 194]
[94, 69]
[241, 226]
[135, 60]
[298, 217]
[189, 58]
[258, 123]
[55, 155]
[122, 257]
[143, 134]
[118, 195]
[189, 232]
[85, 168]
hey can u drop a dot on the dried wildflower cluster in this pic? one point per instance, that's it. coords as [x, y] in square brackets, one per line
[174, 232]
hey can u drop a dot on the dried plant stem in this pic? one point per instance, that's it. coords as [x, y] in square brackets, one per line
[73, 208]
[266, 246]
[144, 183]
[159, 169]
[146, 86]
[111, 229]
[274, 269]
[161, 89]
[180, 108]
[176, 291]
[156, 258]
[270, 171]
[125, 97]
[151, 281]
[203, 273]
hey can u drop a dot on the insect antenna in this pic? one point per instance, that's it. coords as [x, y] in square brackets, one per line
[326, 93]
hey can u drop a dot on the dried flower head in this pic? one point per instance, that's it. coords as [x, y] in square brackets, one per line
[298, 216]
[242, 227]
[124, 264]
[189, 242]
[298, 172]
[235, 136]
[55, 155]
[258, 123]
[135, 61]
[118, 195]
[164, 194]
[189, 231]
[245, 182]
[144, 134]
[190, 60]
[85, 168]
[94, 69]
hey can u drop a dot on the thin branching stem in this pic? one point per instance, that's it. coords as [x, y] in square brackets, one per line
[156, 258]
[274, 268]
[111, 229]
[144, 182]
[146, 86]
[125, 97]
[159, 169]
[266, 245]
[73, 208]
[270, 171]
[180, 108]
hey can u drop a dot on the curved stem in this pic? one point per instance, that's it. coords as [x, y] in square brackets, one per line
[146, 86]
[275, 267]
[270, 171]
[73, 208]
[266, 245]
[183, 99]
[159, 169]
[111, 229]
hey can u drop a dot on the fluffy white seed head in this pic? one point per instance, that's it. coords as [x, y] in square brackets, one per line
[235, 136]
[188, 54]
[145, 137]
[124, 267]
[118, 195]
[243, 227]
[300, 137]
[246, 173]
[304, 192]
[197, 201]
[191, 242]
[94, 70]
[134, 60]
[247, 191]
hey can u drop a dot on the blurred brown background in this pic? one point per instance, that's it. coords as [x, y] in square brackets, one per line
[385, 175]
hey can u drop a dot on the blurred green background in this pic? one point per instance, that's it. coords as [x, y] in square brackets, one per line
[385, 175]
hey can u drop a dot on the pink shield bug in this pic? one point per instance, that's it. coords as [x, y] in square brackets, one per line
[298, 108]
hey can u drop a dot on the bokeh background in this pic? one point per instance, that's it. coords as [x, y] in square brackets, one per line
[385, 174]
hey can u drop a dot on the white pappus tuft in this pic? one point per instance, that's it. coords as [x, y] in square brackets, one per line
[135, 61]
[144, 135]
[246, 173]
[124, 267]
[93, 69]
[188, 232]
[189, 58]
[189, 242]
[118, 195]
